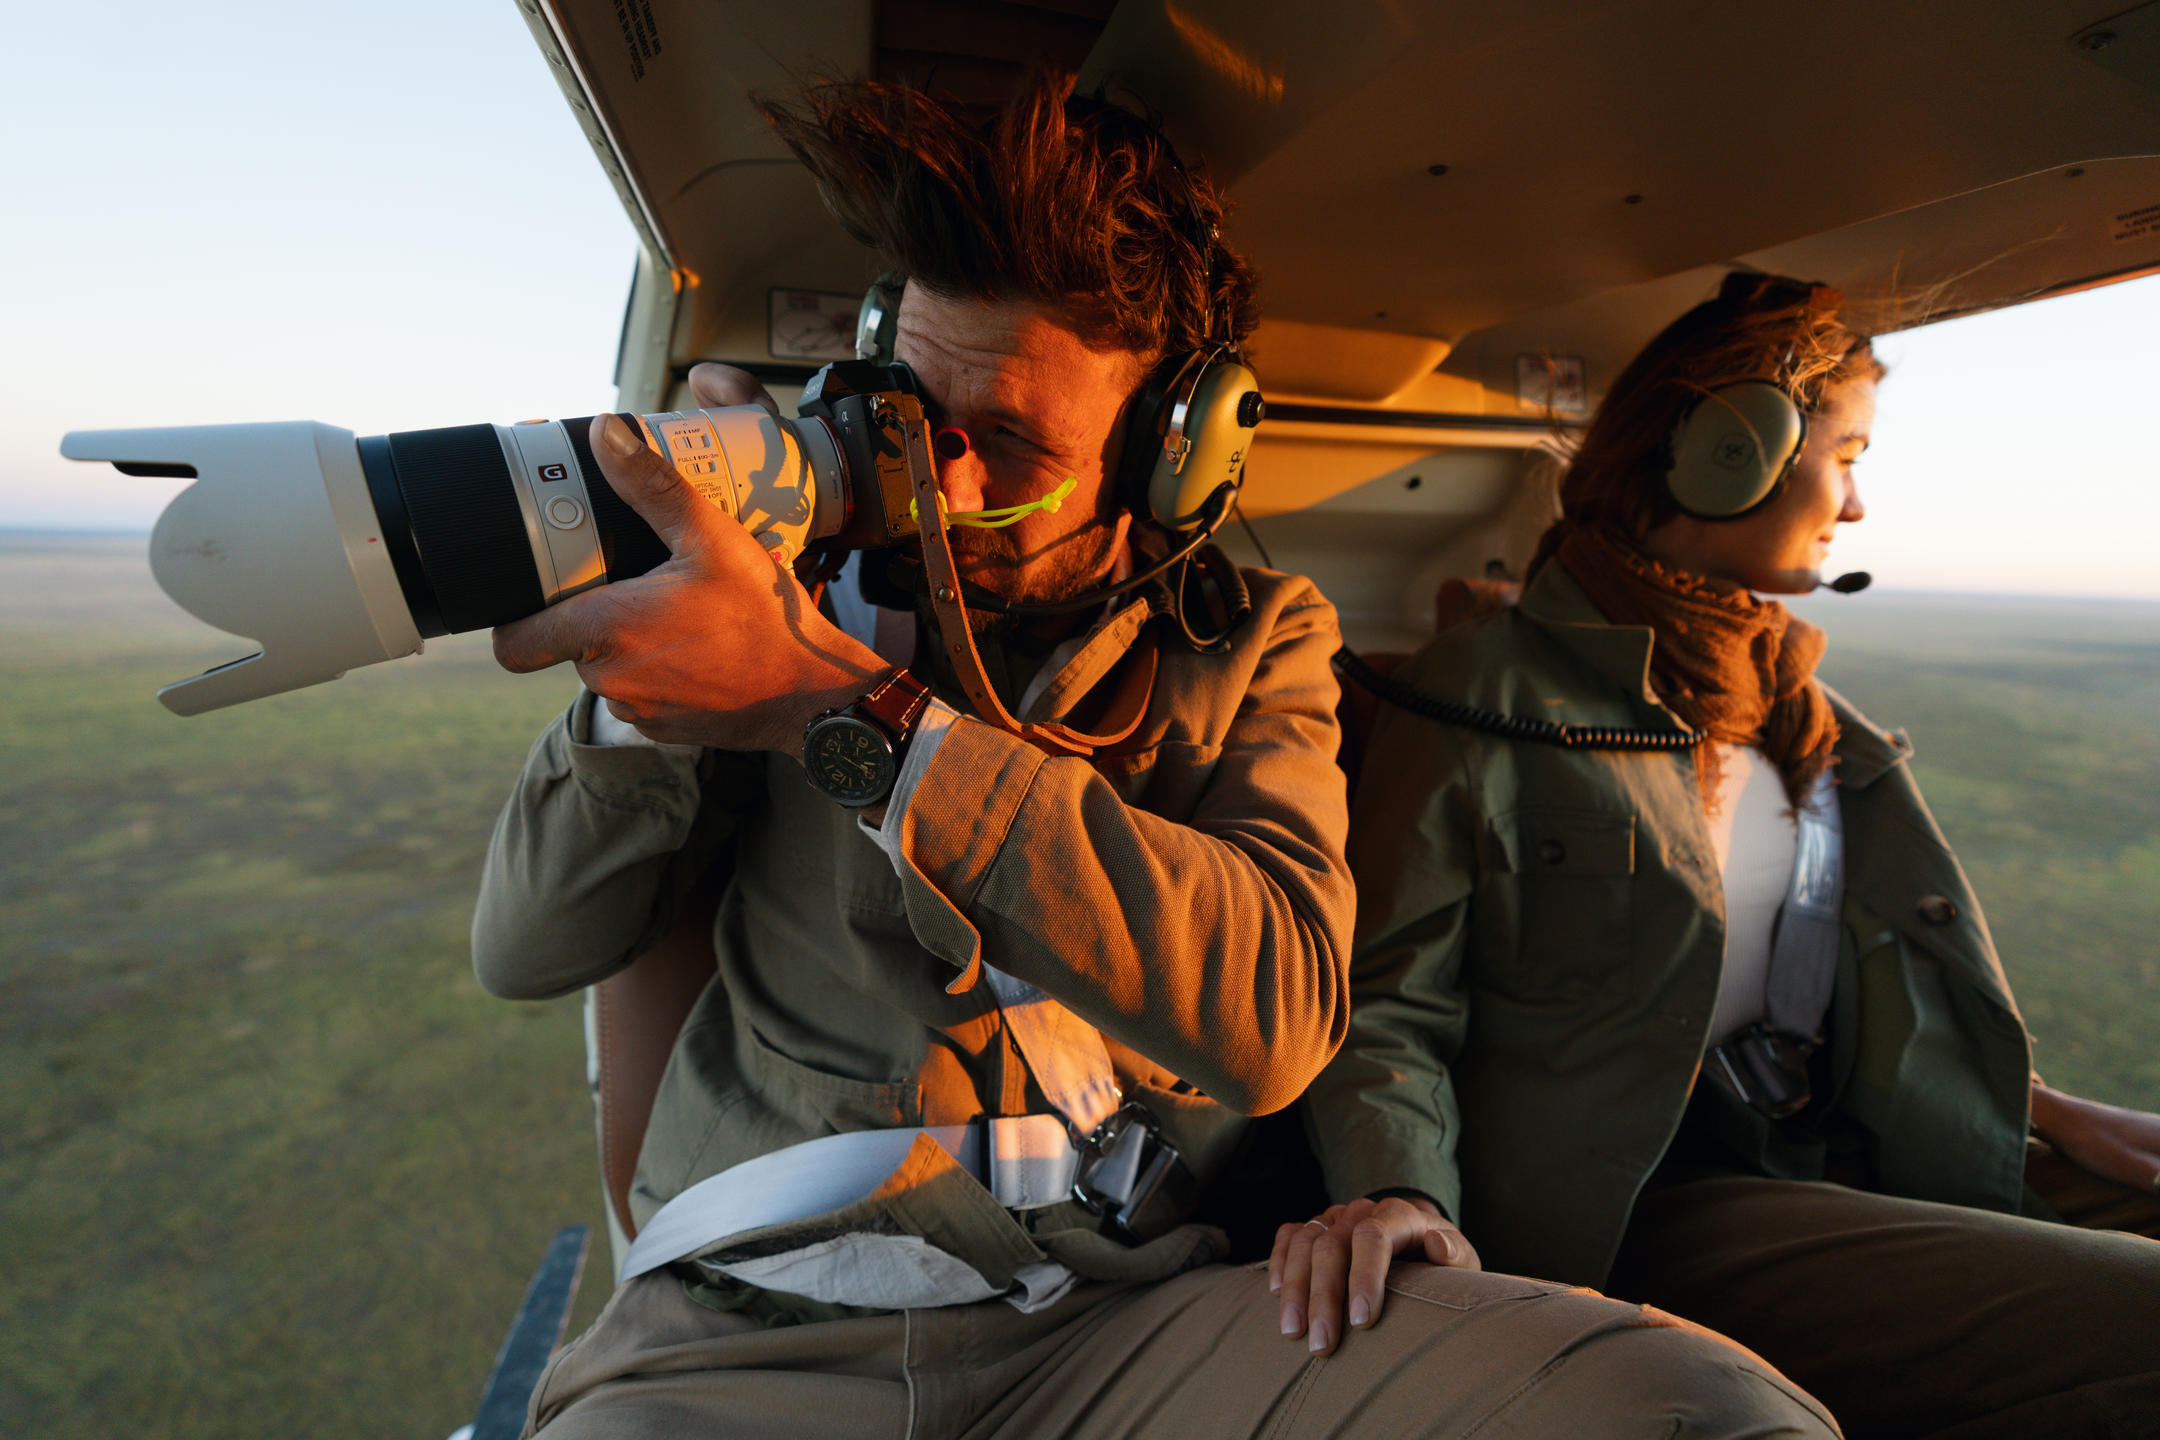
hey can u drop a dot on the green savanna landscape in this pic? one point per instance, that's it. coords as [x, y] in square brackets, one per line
[272, 1164]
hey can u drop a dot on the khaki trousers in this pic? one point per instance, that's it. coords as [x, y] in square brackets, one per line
[1913, 1319]
[1199, 1356]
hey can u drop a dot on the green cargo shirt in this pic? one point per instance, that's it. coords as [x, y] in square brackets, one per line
[1184, 892]
[1540, 938]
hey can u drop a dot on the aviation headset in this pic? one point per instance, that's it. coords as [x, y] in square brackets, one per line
[1735, 447]
[1191, 424]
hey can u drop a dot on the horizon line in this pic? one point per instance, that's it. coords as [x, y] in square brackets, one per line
[88, 532]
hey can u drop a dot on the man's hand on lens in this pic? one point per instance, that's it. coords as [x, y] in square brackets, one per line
[720, 646]
[1342, 1257]
[715, 387]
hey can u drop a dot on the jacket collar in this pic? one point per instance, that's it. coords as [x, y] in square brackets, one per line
[1077, 666]
[1071, 671]
[1556, 603]
[1621, 653]
[1866, 752]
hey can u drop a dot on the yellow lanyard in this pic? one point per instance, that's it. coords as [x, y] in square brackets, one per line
[1006, 515]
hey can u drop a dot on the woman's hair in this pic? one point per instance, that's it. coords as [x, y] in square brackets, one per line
[1066, 201]
[1760, 327]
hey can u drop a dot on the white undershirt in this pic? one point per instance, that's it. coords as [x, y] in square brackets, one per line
[1755, 835]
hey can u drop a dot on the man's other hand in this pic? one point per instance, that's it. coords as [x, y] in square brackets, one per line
[1343, 1256]
[720, 646]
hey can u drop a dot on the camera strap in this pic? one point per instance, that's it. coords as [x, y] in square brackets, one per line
[958, 638]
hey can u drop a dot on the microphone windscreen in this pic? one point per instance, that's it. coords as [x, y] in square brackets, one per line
[1852, 583]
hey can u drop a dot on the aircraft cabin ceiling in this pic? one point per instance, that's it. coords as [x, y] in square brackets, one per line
[1424, 183]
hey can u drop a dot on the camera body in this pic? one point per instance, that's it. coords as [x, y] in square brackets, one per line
[333, 551]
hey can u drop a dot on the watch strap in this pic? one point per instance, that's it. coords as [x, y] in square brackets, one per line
[896, 704]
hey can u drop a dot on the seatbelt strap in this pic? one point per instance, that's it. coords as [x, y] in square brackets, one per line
[1114, 1161]
[1064, 1053]
[1129, 1172]
[1804, 947]
[1026, 1161]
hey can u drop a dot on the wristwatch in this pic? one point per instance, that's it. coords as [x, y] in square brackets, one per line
[853, 754]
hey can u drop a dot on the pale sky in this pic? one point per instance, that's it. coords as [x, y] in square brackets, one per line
[382, 216]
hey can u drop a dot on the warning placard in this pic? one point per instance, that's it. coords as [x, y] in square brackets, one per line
[1551, 384]
[2142, 223]
[640, 33]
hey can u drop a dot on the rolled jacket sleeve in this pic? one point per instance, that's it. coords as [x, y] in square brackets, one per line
[1215, 943]
[590, 856]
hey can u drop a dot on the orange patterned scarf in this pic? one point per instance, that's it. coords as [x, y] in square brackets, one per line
[1740, 668]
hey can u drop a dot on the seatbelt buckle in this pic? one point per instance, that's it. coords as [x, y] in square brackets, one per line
[1765, 1069]
[1124, 1164]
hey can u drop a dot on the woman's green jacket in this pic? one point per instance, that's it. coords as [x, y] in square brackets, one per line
[1540, 932]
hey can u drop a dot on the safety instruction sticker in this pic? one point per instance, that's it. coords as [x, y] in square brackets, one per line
[1551, 384]
[640, 34]
[2143, 223]
[811, 325]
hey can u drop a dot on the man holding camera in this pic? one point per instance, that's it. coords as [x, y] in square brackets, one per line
[927, 1155]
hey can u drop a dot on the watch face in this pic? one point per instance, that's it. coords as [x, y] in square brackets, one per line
[850, 760]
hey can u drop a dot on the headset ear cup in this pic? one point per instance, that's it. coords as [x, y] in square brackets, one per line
[1733, 449]
[878, 319]
[1144, 424]
[1212, 405]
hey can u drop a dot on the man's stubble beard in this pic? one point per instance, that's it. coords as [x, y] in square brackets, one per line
[1075, 563]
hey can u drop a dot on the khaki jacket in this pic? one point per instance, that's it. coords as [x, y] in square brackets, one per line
[1185, 893]
[1539, 944]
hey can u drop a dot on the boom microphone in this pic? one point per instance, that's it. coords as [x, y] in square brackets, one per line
[1850, 583]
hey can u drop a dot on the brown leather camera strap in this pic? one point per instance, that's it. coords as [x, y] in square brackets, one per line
[958, 638]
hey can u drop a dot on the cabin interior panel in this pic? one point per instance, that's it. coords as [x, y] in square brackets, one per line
[1445, 201]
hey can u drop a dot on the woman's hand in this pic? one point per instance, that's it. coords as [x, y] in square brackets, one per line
[2118, 1144]
[1344, 1255]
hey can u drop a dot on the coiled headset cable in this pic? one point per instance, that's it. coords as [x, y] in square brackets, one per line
[1466, 716]
[1510, 727]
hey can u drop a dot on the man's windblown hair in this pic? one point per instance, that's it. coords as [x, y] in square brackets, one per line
[1059, 199]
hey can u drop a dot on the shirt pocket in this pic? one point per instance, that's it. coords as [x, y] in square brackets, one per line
[820, 1100]
[1564, 898]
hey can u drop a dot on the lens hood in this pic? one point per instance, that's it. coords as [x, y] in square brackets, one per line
[277, 542]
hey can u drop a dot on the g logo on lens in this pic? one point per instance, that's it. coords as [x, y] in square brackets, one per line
[554, 472]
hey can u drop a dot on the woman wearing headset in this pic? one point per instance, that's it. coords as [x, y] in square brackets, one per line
[1711, 1019]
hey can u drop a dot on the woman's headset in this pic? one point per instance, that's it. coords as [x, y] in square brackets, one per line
[1736, 446]
[1734, 449]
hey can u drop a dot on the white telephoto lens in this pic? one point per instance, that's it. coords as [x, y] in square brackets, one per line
[780, 478]
[332, 552]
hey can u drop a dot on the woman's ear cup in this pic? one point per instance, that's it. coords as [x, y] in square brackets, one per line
[1731, 451]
